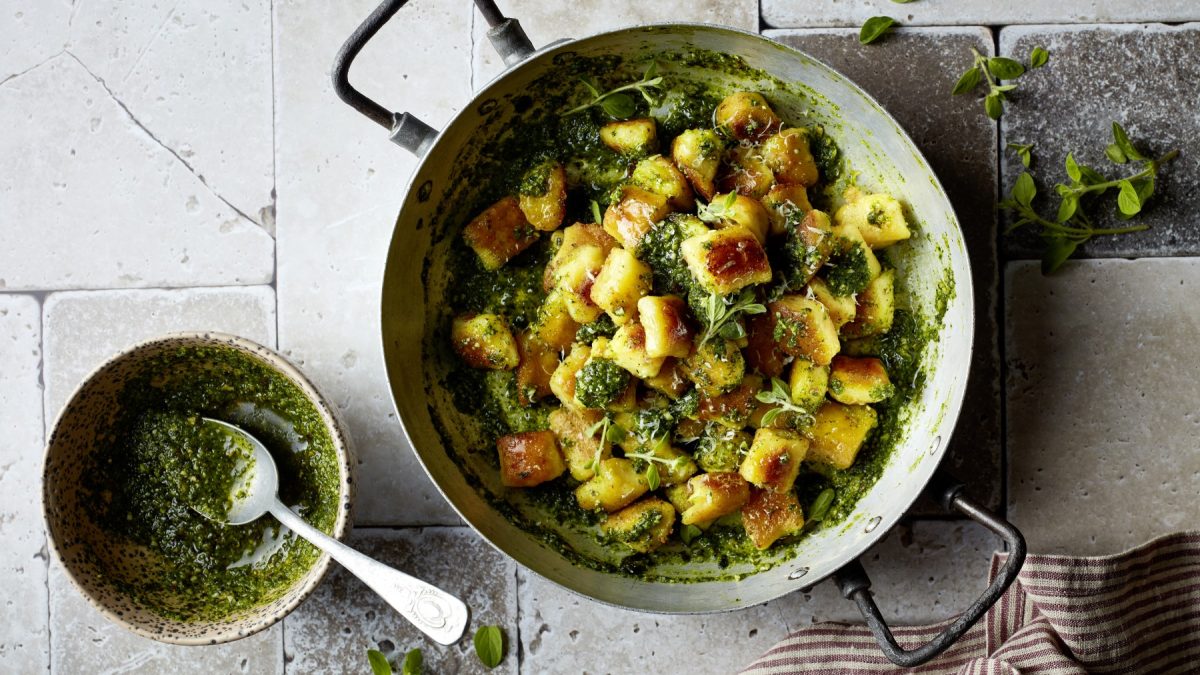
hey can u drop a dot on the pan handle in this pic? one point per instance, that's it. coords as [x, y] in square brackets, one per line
[854, 584]
[406, 130]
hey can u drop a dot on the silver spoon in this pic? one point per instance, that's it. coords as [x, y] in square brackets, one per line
[436, 613]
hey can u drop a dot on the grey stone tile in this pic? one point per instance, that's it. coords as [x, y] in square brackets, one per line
[89, 199]
[196, 74]
[37, 32]
[332, 631]
[921, 574]
[24, 601]
[788, 13]
[340, 184]
[1102, 393]
[1143, 76]
[911, 74]
[82, 328]
[546, 22]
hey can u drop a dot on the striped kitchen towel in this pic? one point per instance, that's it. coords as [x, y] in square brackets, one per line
[1135, 612]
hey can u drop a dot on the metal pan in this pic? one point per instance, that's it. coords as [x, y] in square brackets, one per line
[445, 184]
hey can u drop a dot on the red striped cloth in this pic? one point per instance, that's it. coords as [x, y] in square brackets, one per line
[1135, 612]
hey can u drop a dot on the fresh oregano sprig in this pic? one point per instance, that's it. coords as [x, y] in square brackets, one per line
[716, 211]
[779, 397]
[1072, 224]
[993, 70]
[1024, 152]
[720, 315]
[609, 433]
[617, 103]
[653, 479]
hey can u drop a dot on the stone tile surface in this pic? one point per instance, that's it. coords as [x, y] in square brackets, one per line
[911, 74]
[332, 631]
[1149, 81]
[1102, 392]
[33, 32]
[82, 329]
[25, 638]
[89, 199]
[340, 185]
[922, 573]
[196, 74]
[546, 22]
[788, 13]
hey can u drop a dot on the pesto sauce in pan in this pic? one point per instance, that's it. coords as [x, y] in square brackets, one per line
[596, 173]
[157, 462]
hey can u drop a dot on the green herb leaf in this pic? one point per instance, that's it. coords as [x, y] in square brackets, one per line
[820, 506]
[1121, 139]
[769, 416]
[1024, 190]
[414, 663]
[732, 331]
[596, 217]
[993, 106]
[489, 645]
[1128, 200]
[874, 28]
[1073, 168]
[968, 81]
[1115, 153]
[379, 662]
[902, 2]
[1004, 68]
[1038, 57]
[618, 106]
[1090, 176]
[1144, 186]
[1067, 207]
[1058, 249]
[591, 86]
[652, 477]
[615, 433]
[688, 533]
[1024, 152]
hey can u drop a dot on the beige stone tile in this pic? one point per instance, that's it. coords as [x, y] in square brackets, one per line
[196, 74]
[1102, 391]
[82, 329]
[546, 22]
[24, 624]
[88, 199]
[332, 631]
[33, 32]
[340, 185]
[922, 573]
[789, 13]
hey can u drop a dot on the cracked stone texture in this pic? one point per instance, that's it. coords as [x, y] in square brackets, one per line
[111, 207]
[82, 329]
[546, 22]
[910, 74]
[332, 631]
[1151, 85]
[197, 75]
[340, 186]
[25, 639]
[33, 32]
[1102, 392]
[789, 13]
[564, 632]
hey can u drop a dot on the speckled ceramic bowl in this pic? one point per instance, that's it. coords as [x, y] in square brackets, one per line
[79, 543]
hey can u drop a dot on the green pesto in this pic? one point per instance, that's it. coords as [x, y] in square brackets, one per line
[158, 462]
[600, 382]
[536, 182]
[641, 528]
[660, 249]
[849, 272]
[602, 327]
[797, 260]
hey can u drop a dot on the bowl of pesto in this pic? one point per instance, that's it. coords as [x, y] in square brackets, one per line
[129, 462]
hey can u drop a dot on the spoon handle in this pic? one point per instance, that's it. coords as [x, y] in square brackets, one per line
[436, 613]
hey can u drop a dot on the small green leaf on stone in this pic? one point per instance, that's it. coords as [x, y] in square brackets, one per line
[874, 28]
[1058, 249]
[1128, 200]
[1067, 208]
[968, 81]
[1005, 68]
[993, 105]
[1038, 57]
[414, 663]
[489, 645]
[379, 662]
[1023, 189]
[1073, 168]
[1122, 141]
[1115, 153]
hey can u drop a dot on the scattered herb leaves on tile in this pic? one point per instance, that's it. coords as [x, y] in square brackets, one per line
[874, 28]
[998, 72]
[489, 645]
[1078, 199]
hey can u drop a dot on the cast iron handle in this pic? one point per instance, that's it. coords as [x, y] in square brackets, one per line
[854, 584]
[406, 130]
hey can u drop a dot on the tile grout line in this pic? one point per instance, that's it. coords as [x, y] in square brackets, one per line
[41, 300]
[517, 592]
[1001, 307]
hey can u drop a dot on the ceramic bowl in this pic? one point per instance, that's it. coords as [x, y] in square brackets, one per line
[89, 554]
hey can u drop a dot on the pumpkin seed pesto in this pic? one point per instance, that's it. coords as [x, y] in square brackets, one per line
[157, 461]
[592, 168]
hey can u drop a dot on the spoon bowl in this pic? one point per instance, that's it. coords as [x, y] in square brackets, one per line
[255, 493]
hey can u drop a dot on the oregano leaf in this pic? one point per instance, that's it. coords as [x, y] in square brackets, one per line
[379, 662]
[1067, 208]
[618, 106]
[874, 28]
[652, 477]
[489, 645]
[1038, 57]
[1128, 200]
[1122, 141]
[1073, 168]
[968, 81]
[1023, 189]
[1058, 249]
[993, 106]
[1005, 68]
[1115, 153]
[820, 506]
[414, 663]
